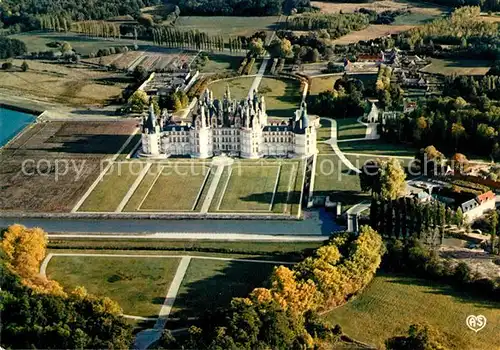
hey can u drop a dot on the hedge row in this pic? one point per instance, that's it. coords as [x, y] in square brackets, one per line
[472, 185]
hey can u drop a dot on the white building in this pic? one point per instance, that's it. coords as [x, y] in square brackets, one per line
[236, 128]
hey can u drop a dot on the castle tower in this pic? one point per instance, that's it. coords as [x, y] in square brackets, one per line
[305, 134]
[150, 134]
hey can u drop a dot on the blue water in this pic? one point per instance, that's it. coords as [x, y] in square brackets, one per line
[12, 122]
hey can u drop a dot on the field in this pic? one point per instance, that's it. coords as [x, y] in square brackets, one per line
[380, 6]
[227, 26]
[326, 83]
[139, 285]
[239, 87]
[391, 303]
[323, 84]
[373, 31]
[209, 284]
[283, 96]
[37, 41]
[457, 67]
[76, 85]
[221, 62]
[62, 161]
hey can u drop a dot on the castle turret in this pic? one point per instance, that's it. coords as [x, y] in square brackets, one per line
[150, 134]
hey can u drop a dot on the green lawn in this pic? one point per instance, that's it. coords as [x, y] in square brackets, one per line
[415, 18]
[250, 188]
[176, 188]
[239, 87]
[323, 84]
[282, 96]
[349, 128]
[139, 285]
[324, 132]
[110, 191]
[219, 62]
[458, 67]
[333, 178]
[228, 26]
[209, 284]
[377, 147]
[391, 303]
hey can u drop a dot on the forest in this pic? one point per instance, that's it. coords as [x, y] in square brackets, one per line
[11, 47]
[25, 13]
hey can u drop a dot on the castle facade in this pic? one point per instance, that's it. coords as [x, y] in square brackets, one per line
[235, 128]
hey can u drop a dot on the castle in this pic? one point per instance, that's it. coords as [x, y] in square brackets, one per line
[235, 128]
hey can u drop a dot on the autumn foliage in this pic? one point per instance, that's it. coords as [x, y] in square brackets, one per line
[25, 249]
[283, 315]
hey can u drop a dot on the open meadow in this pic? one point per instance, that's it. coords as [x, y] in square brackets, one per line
[373, 31]
[391, 303]
[37, 41]
[70, 84]
[381, 6]
[139, 285]
[457, 67]
[228, 26]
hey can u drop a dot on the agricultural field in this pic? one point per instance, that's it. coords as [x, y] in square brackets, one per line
[209, 284]
[283, 96]
[151, 59]
[37, 41]
[373, 31]
[380, 6]
[63, 160]
[139, 285]
[75, 84]
[227, 26]
[239, 87]
[391, 303]
[457, 67]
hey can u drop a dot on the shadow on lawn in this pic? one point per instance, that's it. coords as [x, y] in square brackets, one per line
[440, 288]
[235, 279]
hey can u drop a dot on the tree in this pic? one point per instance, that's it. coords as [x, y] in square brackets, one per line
[7, 65]
[459, 217]
[138, 100]
[66, 47]
[459, 162]
[457, 132]
[145, 20]
[494, 225]
[282, 48]
[24, 66]
[391, 179]
[256, 47]
[420, 337]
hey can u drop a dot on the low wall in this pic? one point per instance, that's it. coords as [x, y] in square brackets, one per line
[151, 216]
